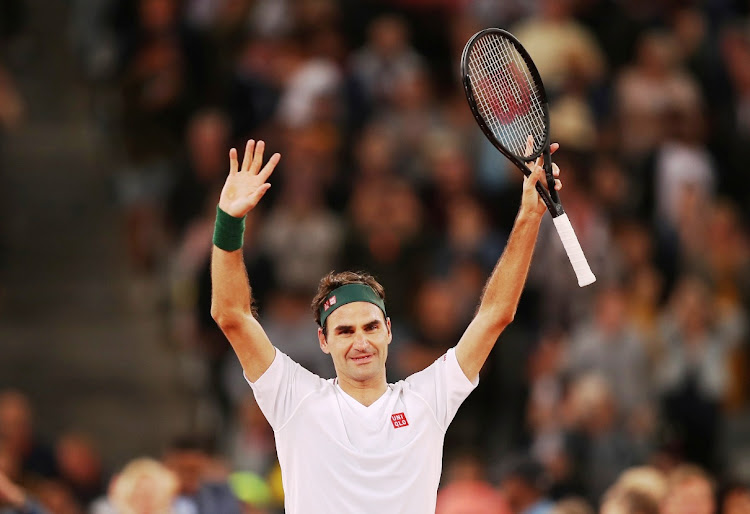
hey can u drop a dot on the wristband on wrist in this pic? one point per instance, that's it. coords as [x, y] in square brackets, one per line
[229, 232]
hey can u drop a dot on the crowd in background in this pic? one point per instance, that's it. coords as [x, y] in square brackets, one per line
[383, 169]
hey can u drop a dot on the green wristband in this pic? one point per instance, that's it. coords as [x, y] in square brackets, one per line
[229, 232]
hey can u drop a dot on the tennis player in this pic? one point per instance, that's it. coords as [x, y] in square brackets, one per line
[357, 444]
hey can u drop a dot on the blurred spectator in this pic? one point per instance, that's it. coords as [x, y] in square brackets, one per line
[56, 496]
[437, 326]
[560, 46]
[562, 303]
[524, 487]
[11, 102]
[253, 87]
[162, 79]
[302, 237]
[203, 169]
[202, 478]
[734, 125]
[690, 490]
[645, 480]
[597, 445]
[385, 237]
[610, 346]
[692, 374]
[288, 322]
[648, 90]
[572, 506]
[14, 500]
[310, 88]
[735, 499]
[684, 168]
[470, 497]
[18, 440]
[468, 236]
[544, 405]
[94, 38]
[250, 444]
[628, 502]
[80, 467]
[386, 55]
[144, 486]
[639, 490]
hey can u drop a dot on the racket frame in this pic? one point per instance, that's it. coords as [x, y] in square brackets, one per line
[549, 195]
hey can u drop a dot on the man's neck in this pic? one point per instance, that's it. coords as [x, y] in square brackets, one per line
[365, 393]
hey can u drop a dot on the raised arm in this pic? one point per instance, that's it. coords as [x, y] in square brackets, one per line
[231, 297]
[505, 285]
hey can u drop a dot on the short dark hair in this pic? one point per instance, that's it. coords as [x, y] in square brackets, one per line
[334, 280]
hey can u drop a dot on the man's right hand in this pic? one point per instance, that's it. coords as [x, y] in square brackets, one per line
[246, 186]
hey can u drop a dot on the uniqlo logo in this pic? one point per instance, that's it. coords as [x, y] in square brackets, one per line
[399, 420]
[329, 303]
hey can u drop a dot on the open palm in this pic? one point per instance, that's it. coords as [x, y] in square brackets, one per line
[245, 186]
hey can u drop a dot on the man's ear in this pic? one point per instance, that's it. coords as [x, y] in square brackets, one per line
[388, 326]
[322, 340]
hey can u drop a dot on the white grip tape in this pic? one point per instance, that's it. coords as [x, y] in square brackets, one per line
[573, 248]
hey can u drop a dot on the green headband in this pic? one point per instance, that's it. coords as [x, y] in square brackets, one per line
[349, 293]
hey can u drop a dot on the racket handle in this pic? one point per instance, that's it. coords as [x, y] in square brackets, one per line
[573, 248]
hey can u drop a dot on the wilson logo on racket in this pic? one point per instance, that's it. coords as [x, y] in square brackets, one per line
[511, 95]
[399, 420]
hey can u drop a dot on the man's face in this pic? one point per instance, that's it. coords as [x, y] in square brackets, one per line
[358, 339]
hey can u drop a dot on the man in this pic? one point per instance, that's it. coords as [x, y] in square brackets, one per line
[355, 443]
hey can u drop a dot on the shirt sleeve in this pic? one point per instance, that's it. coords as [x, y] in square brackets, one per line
[443, 386]
[282, 388]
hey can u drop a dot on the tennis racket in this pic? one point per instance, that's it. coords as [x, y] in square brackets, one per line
[508, 100]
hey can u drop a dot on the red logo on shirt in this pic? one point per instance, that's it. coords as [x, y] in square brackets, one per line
[399, 420]
[329, 303]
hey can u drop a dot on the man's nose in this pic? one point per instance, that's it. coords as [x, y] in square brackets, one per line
[360, 341]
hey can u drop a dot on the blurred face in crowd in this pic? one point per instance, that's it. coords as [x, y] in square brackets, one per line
[189, 466]
[15, 422]
[693, 495]
[737, 501]
[389, 36]
[143, 487]
[610, 310]
[158, 15]
[78, 460]
[208, 134]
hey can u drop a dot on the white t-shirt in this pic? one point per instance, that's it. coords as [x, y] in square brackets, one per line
[338, 456]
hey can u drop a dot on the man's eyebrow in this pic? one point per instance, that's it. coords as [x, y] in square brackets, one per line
[373, 323]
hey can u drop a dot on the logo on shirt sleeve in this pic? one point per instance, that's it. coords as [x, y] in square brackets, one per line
[399, 420]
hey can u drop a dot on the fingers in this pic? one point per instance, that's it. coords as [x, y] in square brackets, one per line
[258, 193]
[554, 147]
[529, 145]
[248, 154]
[233, 160]
[537, 174]
[257, 157]
[269, 167]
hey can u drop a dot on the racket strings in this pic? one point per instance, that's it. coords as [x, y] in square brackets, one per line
[507, 97]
